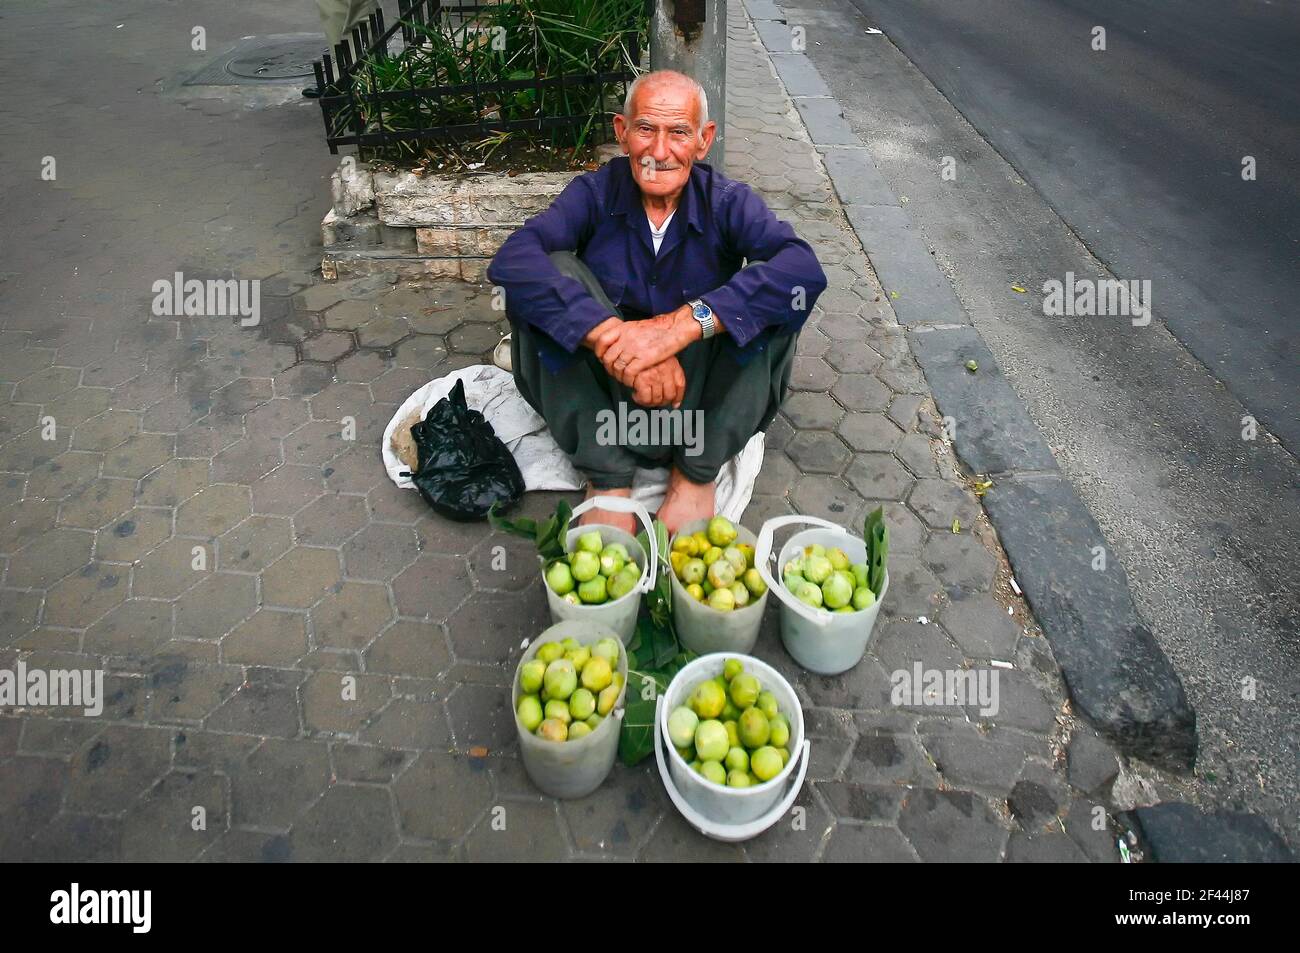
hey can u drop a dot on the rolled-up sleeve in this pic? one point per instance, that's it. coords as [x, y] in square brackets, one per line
[535, 291]
[781, 290]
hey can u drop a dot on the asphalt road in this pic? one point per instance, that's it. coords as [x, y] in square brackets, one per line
[1140, 148]
[1065, 164]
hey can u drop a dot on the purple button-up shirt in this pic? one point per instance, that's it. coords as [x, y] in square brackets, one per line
[718, 226]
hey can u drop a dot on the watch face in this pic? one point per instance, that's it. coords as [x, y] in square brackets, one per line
[702, 311]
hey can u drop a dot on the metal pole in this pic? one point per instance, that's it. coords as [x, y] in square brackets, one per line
[690, 36]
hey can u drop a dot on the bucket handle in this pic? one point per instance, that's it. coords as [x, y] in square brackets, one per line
[620, 504]
[727, 832]
[763, 552]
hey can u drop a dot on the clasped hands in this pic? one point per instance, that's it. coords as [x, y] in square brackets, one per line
[642, 355]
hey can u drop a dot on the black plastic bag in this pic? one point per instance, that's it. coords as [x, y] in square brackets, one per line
[463, 466]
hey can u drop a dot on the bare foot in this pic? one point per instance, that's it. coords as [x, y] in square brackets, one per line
[624, 521]
[685, 501]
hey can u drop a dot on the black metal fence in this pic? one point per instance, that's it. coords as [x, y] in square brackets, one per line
[375, 93]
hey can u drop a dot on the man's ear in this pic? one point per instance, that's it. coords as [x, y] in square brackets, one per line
[620, 131]
[707, 135]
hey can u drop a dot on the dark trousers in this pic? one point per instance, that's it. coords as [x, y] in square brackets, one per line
[728, 401]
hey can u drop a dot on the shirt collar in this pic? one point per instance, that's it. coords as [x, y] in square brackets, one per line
[627, 196]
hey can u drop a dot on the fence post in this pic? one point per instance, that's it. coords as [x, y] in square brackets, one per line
[690, 36]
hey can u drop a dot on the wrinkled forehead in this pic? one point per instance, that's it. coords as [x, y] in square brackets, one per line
[666, 101]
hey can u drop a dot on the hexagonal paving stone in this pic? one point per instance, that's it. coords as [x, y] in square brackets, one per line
[303, 380]
[348, 823]
[980, 626]
[255, 543]
[383, 332]
[31, 790]
[504, 562]
[816, 451]
[242, 395]
[777, 475]
[342, 701]
[331, 520]
[861, 392]
[490, 624]
[432, 586]
[270, 637]
[913, 589]
[94, 504]
[138, 455]
[46, 560]
[398, 383]
[64, 475]
[410, 724]
[319, 297]
[277, 782]
[114, 769]
[878, 476]
[159, 827]
[316, 443]
[951, 825]
[422, 351]
[794, 842]
[353, 471]
[247, 460]
[300, 578]
[851, 357]
[81, 598]
[473, 338]
[22, 522]
[265, 704]
[215, 606]
[105, 431]
[939, 502]
[170, 569]
[414, 649]
[481, 716]
[213, 511]
[46, 384]
[24, 454]
[960, 560]
[857, 843]
[362, 366]
[812, 373]
[277, 417]
[352, 616]
[135, 628]
[350, 315]
[287, 490]
[134, 534]
[842, 327]
[915, 452]
[327, 346]
[530, 830]
[812, 411]
[440, 796]
[380, 552]
[827, 497]
[174, 482]
[870, 432]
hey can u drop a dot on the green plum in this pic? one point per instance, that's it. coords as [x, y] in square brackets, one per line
[559, 578]
[754, 582]
[582, 704]
[739, 595]
[861, 573]
[561, 679]
[816, 569]
[721, 531]
[693, 572]
[590, 543]
[737, 759]
[593, 592]
[809, 593]
[780, 736]
[765, 763]
[767, 705]
[863, 598]
[711, 741]
[735, 557]
[625, 581]
[744, 690]
[596, 674]
[754, 728]
[557, 710]
[739, 779]
[552, 730]
[682, 723]
[531, 674]
[586, 566]
[530, 712]
[722, 599]
[837, 591]
[551, 651]
[608, 696]
[579, 729]
[721, 575]
[838, 557]
[733, 731]
[731, 668]
[714, 771]
[708, 699]
[579, 657]
[609, 649]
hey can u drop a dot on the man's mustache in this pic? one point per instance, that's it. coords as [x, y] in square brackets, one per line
[651, 165]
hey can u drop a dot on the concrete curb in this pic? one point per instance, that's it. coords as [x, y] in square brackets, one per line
[1117, 674]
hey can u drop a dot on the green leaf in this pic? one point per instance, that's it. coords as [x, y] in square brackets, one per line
[549, 536]
[636, 739]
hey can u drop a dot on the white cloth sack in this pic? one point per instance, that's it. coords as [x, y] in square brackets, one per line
[492, 392]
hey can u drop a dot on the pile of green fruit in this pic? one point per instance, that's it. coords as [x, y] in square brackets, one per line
[593, 573]
[730, 731]
[715, 569]
[825, 579]
[567, 689]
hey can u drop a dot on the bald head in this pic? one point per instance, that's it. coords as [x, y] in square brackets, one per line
[667, 80]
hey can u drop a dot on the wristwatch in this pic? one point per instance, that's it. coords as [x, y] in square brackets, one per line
[703, 314]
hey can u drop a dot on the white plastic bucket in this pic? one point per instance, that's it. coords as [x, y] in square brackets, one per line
[620, 614]
[704, 630]
[823, 642]
[570, 769]
[724, 813]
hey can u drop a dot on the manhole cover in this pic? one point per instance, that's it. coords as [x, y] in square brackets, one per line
[291, 61]
[262, 60]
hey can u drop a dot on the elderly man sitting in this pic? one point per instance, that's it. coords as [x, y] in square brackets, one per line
[630, 287]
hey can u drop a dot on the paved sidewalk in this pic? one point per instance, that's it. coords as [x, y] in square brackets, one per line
[181, 437]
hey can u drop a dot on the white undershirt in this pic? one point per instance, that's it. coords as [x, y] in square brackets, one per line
[657, 235]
